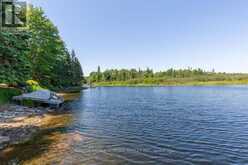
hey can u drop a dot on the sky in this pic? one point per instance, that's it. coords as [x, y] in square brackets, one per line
[159, 34]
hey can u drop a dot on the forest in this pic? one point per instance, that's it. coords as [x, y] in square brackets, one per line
[147, 77]
[37, 53]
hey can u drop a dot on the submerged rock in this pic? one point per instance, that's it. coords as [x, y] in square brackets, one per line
[3, 140]
[18, 123]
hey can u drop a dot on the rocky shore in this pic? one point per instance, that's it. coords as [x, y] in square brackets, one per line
[19, 124]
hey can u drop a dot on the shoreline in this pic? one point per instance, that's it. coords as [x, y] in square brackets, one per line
[19, 124]
[173, 85]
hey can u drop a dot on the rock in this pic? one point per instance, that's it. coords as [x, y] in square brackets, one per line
[4, 140]
[19, 123]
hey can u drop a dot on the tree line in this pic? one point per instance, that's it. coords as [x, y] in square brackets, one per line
[167, 77]
[129, 74]
[37, 52]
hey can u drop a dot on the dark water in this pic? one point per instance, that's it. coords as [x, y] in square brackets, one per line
[157, 126]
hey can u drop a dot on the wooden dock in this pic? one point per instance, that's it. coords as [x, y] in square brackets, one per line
[42, 96]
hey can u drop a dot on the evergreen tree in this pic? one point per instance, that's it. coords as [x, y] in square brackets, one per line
[99, 74]
[52, 65]
[38, 53]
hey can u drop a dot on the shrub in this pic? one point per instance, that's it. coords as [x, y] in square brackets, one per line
[33, 85]
[32, 82]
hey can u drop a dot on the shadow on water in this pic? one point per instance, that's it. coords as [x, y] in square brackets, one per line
[70, 96]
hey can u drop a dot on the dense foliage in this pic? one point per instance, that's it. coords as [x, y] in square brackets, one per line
[15, 65]
[7, 93]
[125, 74]
[169, 77]
[38, 53]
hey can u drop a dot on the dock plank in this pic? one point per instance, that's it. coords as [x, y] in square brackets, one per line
[42, 96]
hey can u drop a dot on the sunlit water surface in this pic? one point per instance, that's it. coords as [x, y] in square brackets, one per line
[142, 126]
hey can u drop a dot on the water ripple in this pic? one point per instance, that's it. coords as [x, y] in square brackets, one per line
[161, 125]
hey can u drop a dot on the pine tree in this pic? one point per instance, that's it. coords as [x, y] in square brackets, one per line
[99, 74]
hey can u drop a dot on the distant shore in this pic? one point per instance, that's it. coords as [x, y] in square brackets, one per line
[171, 83]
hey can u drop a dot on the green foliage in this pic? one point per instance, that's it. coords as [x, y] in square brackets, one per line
[119, 75]
[33, 86]
[7, 93]
[15, 65]
[147, 77]
[68, 72]
[38, 53]
[53, 65]
[32, 82]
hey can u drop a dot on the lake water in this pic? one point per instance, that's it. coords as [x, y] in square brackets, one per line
[152, 125]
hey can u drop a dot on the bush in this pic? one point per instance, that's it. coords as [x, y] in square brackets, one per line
[33, 85]
[32, 82]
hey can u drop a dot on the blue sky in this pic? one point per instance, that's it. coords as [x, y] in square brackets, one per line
[159, 34]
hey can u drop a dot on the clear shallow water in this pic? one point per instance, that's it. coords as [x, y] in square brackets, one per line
[157, 125]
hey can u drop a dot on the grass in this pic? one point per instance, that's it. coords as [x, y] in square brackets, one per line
[6, 94]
